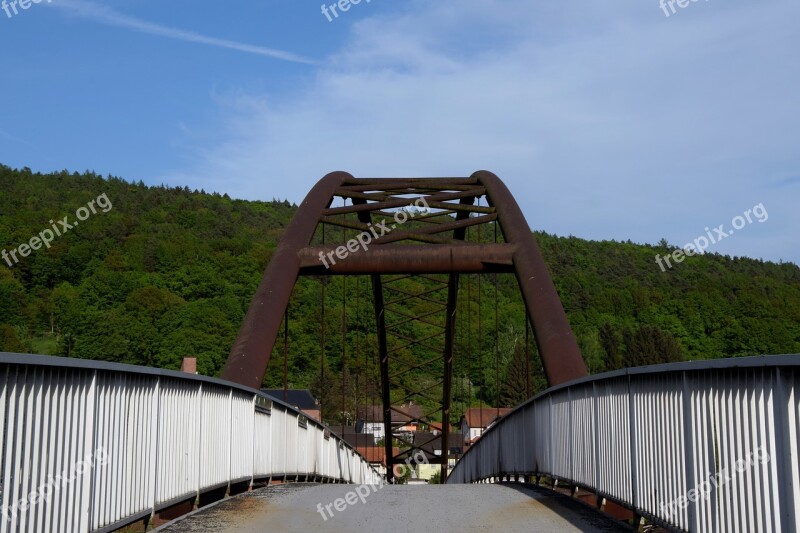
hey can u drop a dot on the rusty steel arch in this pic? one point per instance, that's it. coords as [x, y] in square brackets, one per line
[434, 245]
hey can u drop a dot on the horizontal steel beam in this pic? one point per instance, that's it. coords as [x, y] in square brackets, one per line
[426, 259]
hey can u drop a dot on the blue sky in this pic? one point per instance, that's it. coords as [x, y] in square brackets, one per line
[608, 120]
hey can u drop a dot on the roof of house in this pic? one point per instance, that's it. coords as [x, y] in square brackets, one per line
[481, 418]
[430, 443]
[299, 398]
[359, 439]
[401, 414]
[375, 454]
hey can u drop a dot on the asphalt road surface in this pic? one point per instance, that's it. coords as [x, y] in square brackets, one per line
[394, 508]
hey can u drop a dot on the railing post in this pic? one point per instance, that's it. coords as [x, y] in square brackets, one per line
[253, 446]
[200, 449]
[89, 443]
[230, 438]
[783, 452]
[596, 437]
[570, 436]
[688, 450]
[551, 444]
[634, 457]
[154, 466]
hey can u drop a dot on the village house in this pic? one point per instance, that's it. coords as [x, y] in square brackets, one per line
[300, 399]
[476, 420]
[405, 420]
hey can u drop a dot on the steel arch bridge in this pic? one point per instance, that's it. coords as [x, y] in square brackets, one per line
[408, 227]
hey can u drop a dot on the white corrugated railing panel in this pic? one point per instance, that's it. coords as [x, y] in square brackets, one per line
[793, 386]
[560, 429]
[263, 449]
[613, 440]
[47, 457]
[317, 450]
[179, 449]
[215, 437]
[541, 435]
[706, 446]
[292, 444]
[242, 412]
[279, 445]
[658, 416]
[88, 445]
[734, 441]
[303, 465]
[124, 423]
[583, 436]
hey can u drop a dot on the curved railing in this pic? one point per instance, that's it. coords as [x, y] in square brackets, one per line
[702, 446]
[90, 446]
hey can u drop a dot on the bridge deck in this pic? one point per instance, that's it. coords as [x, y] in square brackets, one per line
[463, 508]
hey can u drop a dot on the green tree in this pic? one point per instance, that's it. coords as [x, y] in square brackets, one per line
[610, 341]
[648, 345]
[9, 342]
[517, 379]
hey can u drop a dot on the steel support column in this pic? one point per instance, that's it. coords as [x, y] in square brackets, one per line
[449, 335]
[383, 352]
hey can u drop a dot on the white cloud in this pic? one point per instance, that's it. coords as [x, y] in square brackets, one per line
[607, 121]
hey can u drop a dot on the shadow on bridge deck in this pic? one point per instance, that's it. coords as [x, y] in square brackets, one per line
[466, 508]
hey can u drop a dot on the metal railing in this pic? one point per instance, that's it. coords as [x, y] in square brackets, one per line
[702, 446]
[91, 446]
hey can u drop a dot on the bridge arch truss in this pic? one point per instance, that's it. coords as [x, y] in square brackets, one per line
[407, 227]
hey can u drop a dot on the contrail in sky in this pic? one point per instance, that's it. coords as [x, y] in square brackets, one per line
[106, 15]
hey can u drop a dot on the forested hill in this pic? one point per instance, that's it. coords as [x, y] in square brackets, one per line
[165, 273]
[169, 272]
